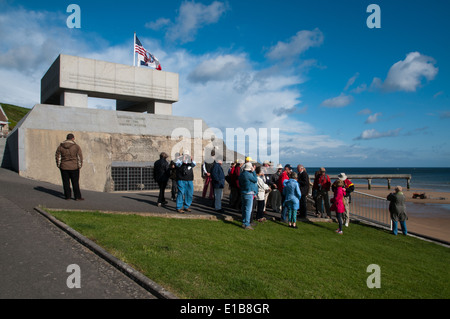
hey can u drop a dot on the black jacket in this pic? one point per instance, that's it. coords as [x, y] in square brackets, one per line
[161, 171]
[185, 172]
[303, 180]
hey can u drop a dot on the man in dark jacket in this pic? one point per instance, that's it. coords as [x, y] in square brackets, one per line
[397, 209]
[69, 159]
[161, 174]
[322, 186]
[303, 181]
[218, 182]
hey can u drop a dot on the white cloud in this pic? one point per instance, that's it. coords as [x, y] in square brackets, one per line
[191, 18]
[158, 24]
[351, 81]
[251, 103]
[374, 134]
[222, 67]
[251, 99]
[445, 115]
[438, 94]
[26, 39]
[296, 45]
[19, 89]
[373, 118]
[365, 112]
[31, 41]
[407, 75]
[360, 88]
[338, 101]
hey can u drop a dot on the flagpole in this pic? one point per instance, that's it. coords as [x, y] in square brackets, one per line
[134, 52]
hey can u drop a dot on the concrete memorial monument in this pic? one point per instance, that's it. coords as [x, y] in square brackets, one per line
[119, 146]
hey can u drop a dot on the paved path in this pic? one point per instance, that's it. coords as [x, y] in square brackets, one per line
[35, 254]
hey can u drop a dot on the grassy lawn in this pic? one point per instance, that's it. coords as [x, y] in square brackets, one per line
[218, 259]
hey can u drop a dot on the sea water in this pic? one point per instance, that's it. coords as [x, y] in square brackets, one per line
[423, 178]
[432, 178]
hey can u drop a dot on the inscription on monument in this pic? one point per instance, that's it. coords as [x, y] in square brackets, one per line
[131, 121]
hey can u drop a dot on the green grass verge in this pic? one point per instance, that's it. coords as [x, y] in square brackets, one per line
[220, 260]
[14, 114]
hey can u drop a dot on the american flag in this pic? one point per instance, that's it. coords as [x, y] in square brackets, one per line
[147, 59]
[139, 48]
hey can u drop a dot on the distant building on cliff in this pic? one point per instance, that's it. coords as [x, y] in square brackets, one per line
[4, 123]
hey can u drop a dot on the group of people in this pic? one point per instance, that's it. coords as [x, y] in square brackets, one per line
[341, 188]
[252, 187]
[288, 191]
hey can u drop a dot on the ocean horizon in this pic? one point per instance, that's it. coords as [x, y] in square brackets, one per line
[426, 178]
[432, 178]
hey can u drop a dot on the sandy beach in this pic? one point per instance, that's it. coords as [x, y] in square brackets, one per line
[429, 216]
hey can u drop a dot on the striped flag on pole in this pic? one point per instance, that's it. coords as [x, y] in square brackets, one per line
[138, 48]
[144, 57]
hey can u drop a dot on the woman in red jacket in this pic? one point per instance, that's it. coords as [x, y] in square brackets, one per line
[338, 203]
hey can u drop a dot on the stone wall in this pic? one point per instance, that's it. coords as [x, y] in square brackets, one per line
[100, 150]
[104, 136]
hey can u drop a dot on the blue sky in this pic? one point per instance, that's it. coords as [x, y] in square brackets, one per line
[342, 94]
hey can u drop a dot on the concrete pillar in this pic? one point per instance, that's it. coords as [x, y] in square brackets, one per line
[162, 108]
[74, 99]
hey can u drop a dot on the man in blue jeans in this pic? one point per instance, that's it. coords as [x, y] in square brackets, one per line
[185, 182]
[248, 184]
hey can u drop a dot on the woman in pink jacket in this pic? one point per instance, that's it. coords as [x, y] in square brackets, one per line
[338, 203]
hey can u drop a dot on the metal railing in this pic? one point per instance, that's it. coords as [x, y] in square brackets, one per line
[370, 177]
[133, 178]
[371, 209]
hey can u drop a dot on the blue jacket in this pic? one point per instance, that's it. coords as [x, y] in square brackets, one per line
[248, 182]
[292, 193]
[217, 176]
